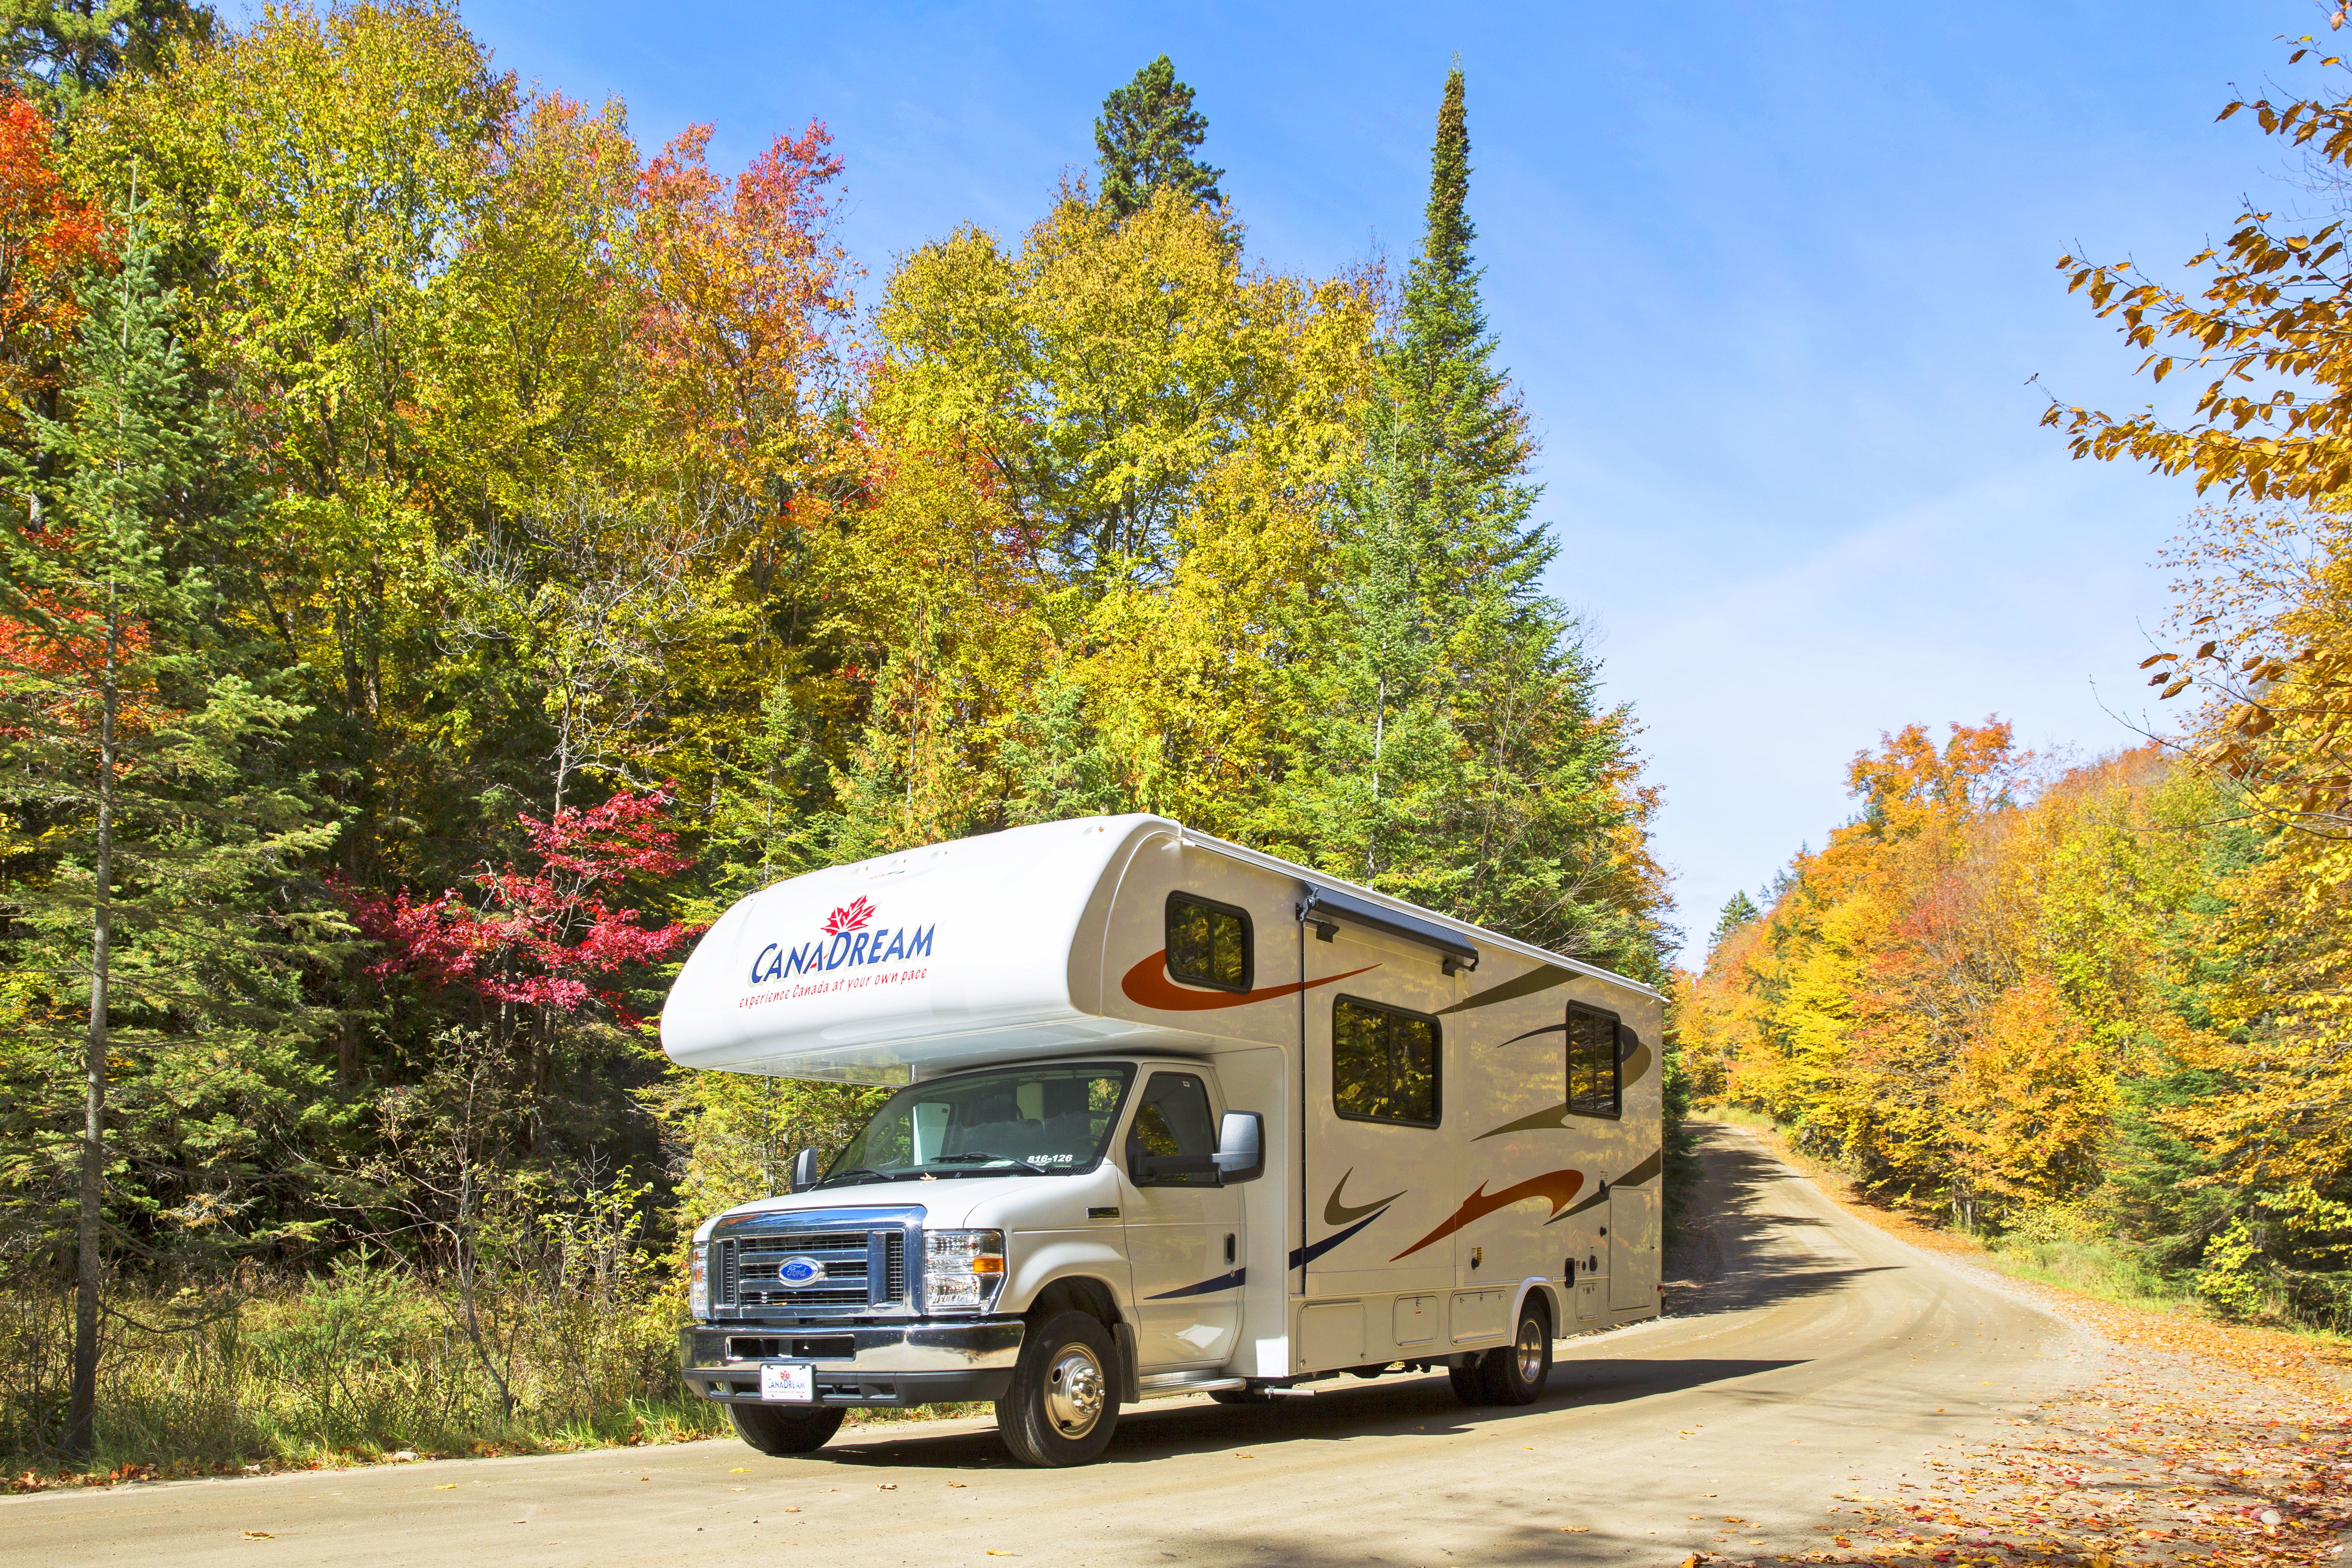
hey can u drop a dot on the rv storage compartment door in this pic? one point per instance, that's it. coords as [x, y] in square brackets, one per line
[1479, 1314]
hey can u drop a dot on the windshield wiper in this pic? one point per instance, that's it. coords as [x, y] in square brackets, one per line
[854, 1171]
[977, 1158]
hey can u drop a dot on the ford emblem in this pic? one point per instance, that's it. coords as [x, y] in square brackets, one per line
[798, 1271]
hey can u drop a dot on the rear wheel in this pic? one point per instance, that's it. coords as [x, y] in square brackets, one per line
[777, 1431]
[1469, 1385]
[1516, 1373]
[1063, 1403]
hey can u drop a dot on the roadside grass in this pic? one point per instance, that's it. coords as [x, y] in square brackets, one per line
[364, 1365]
[368, 1365]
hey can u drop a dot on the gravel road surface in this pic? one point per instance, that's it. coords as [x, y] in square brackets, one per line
[1805, 1350]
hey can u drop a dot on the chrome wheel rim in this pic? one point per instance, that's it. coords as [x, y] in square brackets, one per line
[1073, 1391]
[1531, 1350]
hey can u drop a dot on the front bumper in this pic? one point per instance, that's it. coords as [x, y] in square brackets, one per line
[912, 1364]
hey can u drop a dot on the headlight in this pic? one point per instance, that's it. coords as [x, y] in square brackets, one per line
[698, 1283]
[964, 1270]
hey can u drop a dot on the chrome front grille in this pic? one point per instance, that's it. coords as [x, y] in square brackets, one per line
[864, 1269]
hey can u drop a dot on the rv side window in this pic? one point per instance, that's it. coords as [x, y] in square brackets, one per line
[1592, 1077]
[1208, 943]
[1383, 1064]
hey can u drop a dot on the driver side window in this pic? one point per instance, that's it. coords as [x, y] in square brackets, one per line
[1173, 1118]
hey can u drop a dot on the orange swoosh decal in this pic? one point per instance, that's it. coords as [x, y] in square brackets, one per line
[1557, 1188]
[1148, 985]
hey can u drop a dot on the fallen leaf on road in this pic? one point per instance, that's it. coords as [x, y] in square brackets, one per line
[740, 1470]
[1574, 1529]
[445, 1486]
[260, 1535]
[886, 1486]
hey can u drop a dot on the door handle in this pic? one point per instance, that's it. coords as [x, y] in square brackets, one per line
[1229, 1247]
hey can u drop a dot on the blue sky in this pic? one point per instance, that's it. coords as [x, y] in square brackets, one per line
[1775, 281]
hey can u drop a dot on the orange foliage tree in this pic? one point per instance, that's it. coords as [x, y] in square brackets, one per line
[47, 234]
[1948, 992]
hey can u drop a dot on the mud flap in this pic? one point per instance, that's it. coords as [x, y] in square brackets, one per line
[1131, 1379]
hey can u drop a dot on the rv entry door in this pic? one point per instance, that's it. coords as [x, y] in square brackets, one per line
[1184, 1240]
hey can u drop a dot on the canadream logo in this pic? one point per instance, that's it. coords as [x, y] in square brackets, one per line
[846, 943]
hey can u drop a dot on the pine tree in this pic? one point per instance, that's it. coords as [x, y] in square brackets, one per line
[1147, 134]
[1466, 432]
[152, 841]
[1738, 911]
[1515, 798]
[59, 53]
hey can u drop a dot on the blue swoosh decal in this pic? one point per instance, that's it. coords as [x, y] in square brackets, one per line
[1302, 1256]
[1207, 1287]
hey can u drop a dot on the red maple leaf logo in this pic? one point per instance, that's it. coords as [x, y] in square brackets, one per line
[854, 918]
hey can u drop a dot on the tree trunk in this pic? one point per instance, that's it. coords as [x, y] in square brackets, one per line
[81, 1419]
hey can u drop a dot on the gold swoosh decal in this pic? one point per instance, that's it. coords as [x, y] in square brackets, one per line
[1337, 1213]
[1541, 978]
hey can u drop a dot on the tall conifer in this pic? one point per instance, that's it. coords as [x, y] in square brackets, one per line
[1513, 799]
[150, 833]
[1147, 134]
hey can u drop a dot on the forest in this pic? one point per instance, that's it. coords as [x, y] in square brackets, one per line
[2100, 1013]
[449, 554]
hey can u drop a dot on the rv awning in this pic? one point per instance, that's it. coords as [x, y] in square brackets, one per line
[1323, 905]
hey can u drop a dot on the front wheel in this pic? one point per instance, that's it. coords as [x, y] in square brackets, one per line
[780, 1431]
[1516, 1373]
[1063, 1402]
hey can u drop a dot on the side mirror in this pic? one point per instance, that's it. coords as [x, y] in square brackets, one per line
[806, 1169]
[1240, 1147]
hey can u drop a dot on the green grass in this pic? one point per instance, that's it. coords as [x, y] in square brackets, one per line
[2100, 1266]
[355, 1368]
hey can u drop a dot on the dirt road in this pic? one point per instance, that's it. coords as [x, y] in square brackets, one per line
[1807, 1351]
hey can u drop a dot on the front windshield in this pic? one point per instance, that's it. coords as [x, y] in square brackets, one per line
[1008, 1121]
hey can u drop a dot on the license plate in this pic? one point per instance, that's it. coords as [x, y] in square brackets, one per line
[788, 1385]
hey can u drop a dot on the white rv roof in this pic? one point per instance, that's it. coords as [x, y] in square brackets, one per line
[864, 973]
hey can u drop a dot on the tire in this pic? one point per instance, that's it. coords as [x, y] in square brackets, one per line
[1516, 1373]
[1469, 1385]
[780, 1432]
[1063, 1403]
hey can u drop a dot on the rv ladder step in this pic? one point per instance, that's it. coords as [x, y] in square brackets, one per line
[1174, 1382]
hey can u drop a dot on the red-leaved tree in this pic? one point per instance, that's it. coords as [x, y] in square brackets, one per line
[547, 938]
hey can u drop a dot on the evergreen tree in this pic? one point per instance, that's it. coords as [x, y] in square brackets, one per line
[151, 839]
[1507, 796]
[60, 52]
[1738, 911]
[1147, 134]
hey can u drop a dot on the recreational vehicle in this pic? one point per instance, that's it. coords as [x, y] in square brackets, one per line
[1171, 1116]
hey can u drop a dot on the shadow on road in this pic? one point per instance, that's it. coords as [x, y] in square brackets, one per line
[1722, 1264]
[1333, 1414]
